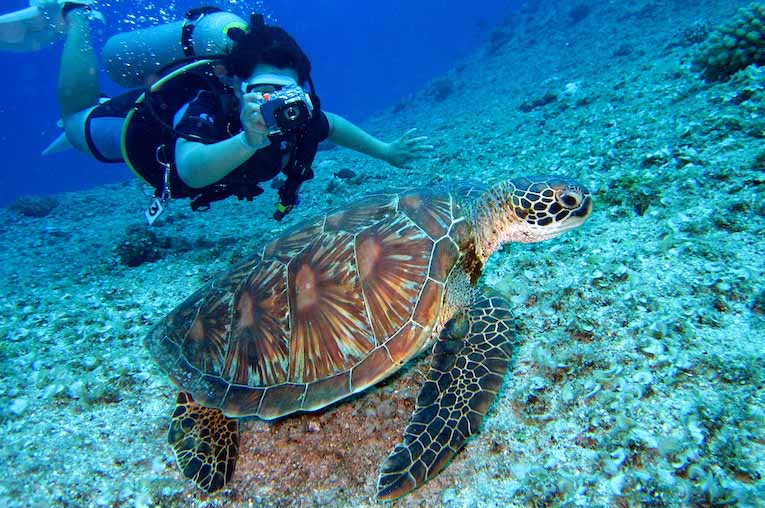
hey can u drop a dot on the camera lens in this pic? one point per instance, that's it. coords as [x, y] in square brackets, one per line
[292, 113]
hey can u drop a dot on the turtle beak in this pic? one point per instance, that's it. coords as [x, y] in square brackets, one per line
[577, 217]
[585, 209]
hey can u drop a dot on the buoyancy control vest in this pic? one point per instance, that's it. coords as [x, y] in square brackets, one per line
[154, 162]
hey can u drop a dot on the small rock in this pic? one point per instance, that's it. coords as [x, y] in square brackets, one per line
[386, 409]
[531, 104]
[449, 496]
[76, 390]
[345, 174]
[758, 303]
[90, 362]
[51, 391]
[657, 158]
[18, 406]
[617, 484]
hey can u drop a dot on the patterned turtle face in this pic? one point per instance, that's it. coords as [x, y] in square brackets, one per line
[543, 208]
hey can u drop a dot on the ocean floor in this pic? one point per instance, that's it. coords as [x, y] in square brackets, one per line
[639, 378]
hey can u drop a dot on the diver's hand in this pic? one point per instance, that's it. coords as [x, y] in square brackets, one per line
[253, 125]
[407, 148]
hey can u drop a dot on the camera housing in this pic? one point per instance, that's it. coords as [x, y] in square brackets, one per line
[286, 111]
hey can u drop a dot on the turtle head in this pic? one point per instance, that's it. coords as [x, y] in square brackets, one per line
[530, 209]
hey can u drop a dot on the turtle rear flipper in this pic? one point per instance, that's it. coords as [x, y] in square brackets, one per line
[205, 442]
[469, 363]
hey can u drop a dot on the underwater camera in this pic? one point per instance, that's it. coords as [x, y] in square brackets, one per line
[286, 111]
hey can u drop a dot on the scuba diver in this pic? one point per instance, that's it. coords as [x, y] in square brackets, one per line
[221, 108]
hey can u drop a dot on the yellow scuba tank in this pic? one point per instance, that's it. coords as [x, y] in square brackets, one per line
[132, 59]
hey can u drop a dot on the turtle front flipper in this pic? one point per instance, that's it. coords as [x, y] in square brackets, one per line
[469, 363]
[205, 442]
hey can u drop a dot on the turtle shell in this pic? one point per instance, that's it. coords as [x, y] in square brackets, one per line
[327, 309]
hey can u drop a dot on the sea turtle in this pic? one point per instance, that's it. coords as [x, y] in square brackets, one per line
[338, 303]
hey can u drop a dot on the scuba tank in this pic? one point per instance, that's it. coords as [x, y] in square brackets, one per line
[134, 59]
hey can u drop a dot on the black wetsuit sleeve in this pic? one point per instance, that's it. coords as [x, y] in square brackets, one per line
[322, 127]
[203, 119]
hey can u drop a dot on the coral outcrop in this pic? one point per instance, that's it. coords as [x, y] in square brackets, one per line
[734, 45]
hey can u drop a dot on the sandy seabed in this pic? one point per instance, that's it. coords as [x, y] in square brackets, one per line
[638, 380]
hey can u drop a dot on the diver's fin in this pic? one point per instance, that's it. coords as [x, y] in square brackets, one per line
[32, 28]
[60, 144]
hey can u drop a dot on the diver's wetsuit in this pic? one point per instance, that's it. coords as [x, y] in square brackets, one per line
[203, 117]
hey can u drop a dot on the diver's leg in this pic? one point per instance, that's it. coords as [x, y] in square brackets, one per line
[32, 28]
[78, 78]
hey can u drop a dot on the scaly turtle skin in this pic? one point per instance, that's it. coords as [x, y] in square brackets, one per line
[339, 303]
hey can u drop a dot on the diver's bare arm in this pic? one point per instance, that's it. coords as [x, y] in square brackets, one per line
[200, 165]
[400, 153]
[346, 134]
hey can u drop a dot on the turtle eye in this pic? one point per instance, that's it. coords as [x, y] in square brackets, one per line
[570, 198]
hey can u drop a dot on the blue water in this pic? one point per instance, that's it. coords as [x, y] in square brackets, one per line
[365, 55]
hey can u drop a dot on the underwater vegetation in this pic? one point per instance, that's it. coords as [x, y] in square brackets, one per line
[733, 45]
[34, 206]
[441, 88]
[141, 245]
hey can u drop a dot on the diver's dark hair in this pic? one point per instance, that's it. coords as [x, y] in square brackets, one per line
[267, 44]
